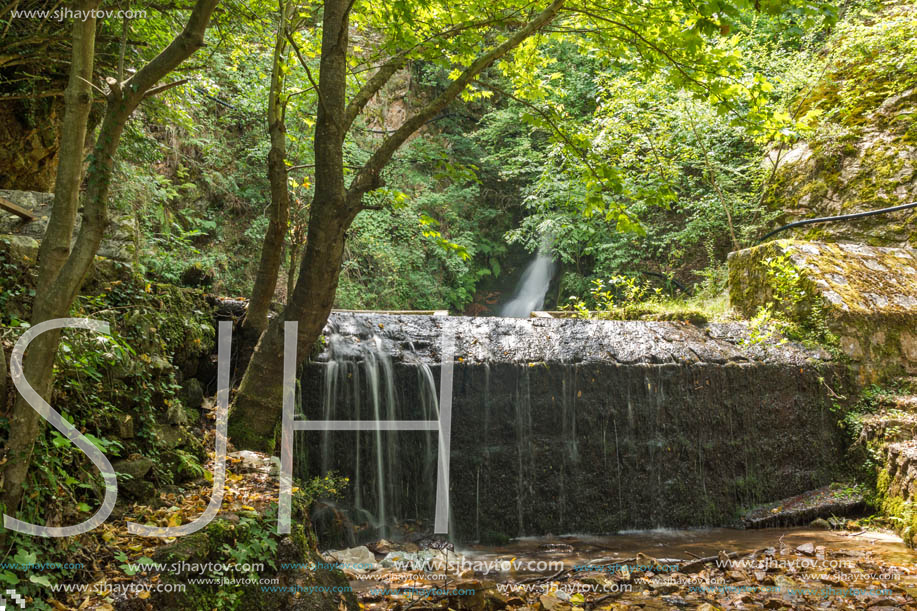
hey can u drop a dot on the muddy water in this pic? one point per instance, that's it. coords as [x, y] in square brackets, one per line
[685, 545]
[777, 568]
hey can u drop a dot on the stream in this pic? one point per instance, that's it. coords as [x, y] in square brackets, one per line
[792, 568]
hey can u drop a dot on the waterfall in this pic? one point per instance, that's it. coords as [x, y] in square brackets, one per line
[532, 287]
[578, 425]
[359, 383]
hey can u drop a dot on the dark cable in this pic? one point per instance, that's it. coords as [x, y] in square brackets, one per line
[671, 280]
[843, 217]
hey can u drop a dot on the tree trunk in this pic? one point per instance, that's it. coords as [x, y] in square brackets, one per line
[257, 407]
[254, 416]
[61, 287]
[2, 379]
[291, 275]
[55, 245]
[53, 254]
[272, 248]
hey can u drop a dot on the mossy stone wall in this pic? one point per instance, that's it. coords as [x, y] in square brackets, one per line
[867, 296]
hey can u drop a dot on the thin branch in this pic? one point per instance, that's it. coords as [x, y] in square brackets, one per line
[711, 176]
[93, 85]
[305, 65]
[161, 88]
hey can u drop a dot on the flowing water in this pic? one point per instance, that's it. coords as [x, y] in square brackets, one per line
[359, 383]
[662, 544]
[558, 426]
[532, 288]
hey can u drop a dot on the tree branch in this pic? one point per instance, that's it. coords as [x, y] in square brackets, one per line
[166, 87]
[371, 87]
[368, 178]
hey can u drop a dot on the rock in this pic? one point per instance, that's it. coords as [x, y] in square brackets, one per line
[118, 243]
[192, 393]
[246, 461]
[556, 548]
[547, 602]
[806, 548]
[495, 600]
[421, 558]
[20, 248]
[866, 296]
[160, 364]
[136, 468]
[821, 524]
[126, 426]
[196, 275]
[467, 601]
[383, 546]
[355, 559]
[823, 503]
[190, 548]
[175, 414]
[168, 436]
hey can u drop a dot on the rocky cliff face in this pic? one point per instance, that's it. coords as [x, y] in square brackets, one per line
[863, 154]
[119, 243]
[568, 425]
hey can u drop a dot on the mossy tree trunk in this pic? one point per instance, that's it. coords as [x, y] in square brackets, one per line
[2, 379]
[257, 407]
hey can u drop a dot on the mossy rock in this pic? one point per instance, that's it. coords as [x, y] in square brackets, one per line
[866, 296]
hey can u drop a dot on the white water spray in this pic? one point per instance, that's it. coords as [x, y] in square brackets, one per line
[532, 287]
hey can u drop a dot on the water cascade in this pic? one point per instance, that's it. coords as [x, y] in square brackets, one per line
[562, 425]
[358, 382]
[532, 287]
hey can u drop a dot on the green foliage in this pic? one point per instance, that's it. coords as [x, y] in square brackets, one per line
[255, 539]
[101, 378]
[790, 311]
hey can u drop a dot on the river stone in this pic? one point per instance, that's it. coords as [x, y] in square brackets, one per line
[355, 559]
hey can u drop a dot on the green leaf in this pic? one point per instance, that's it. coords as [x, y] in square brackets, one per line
[41, 580]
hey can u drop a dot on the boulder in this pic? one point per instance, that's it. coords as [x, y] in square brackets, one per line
[168, 436]
[355, 559]
[136, 468]
[192, 393]
[20, 248]
[866, 296]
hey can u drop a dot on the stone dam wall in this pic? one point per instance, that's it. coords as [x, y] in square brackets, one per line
[568, 425]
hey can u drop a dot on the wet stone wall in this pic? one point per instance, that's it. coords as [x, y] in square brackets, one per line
[562, 426]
